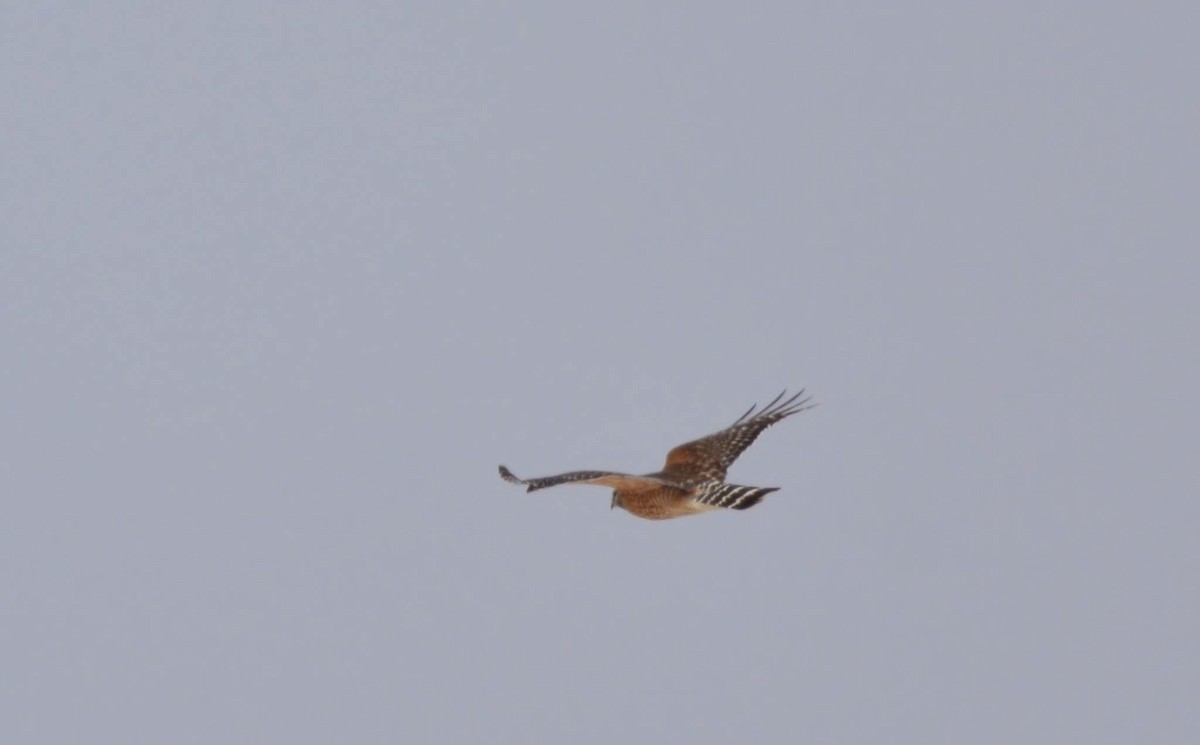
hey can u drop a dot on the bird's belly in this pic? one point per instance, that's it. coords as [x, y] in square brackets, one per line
[662, 506]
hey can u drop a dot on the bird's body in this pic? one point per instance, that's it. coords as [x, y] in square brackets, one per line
[693, 479]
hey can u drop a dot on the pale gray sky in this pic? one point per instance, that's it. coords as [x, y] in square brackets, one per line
[282, 284]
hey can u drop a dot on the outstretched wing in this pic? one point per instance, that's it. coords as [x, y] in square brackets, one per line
[708, 458]
[600, 478]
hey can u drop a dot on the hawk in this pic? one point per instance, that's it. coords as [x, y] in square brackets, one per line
[693, 479]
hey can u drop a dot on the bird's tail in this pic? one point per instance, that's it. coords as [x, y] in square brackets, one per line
[733, 496]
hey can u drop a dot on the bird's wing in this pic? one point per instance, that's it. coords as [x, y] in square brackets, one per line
[599, 478]
[708, 458]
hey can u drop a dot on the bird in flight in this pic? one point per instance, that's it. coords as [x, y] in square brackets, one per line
[693, 479]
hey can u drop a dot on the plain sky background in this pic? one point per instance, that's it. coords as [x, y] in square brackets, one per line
[282, 284]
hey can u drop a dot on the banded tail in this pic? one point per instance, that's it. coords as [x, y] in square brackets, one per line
[733, 496]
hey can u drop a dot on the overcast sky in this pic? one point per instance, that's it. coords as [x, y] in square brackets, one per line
[282, 284]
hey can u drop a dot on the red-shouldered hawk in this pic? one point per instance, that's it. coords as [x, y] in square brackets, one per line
[693, 479]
